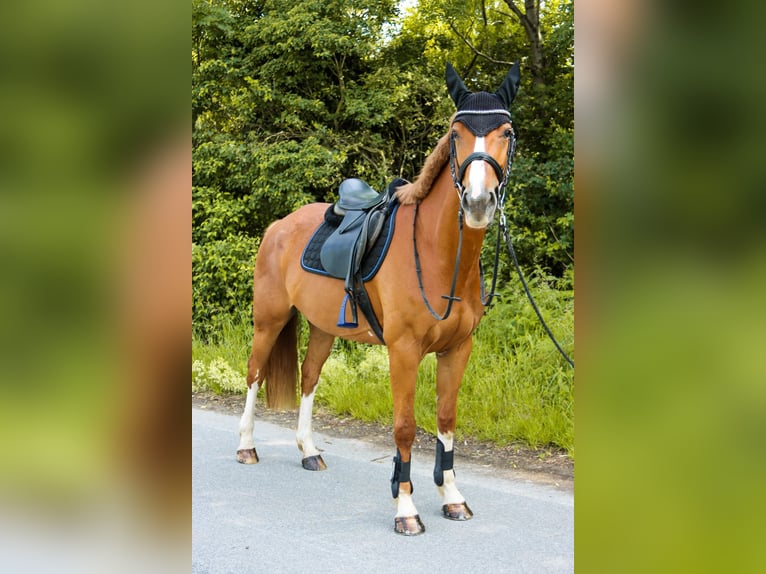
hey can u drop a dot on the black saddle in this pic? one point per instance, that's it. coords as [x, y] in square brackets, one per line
[363, 210]
[355, 194]
[364, 213]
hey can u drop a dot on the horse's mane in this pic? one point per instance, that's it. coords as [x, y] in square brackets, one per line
[413, 192]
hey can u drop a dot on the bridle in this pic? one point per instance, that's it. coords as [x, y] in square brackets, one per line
[499, 193]
[500, 174]
[499, 196]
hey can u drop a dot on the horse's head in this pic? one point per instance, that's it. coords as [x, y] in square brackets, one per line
[481, 145]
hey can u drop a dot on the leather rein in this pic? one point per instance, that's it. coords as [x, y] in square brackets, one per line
[499, 192]
[502, 230]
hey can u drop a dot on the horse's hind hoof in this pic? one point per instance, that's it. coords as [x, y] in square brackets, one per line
[247, 456]
[314, 463]
[457, 511]
[409, 525]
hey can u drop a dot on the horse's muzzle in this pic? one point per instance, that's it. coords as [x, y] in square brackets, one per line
[478, 208]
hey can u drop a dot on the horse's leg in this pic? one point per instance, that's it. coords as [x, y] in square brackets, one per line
[449, 375]
[263, 341]
[403, 364]
[246, 453]
[319, 347]
[266, 331]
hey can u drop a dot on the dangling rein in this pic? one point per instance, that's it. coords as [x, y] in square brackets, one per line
[486, 300]
[451, 297]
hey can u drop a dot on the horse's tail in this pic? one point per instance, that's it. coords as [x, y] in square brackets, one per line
[281, 371]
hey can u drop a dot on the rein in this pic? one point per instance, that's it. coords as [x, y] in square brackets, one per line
[486, 300]
[451, 297]
[502, 229]
[512, 251]
[502, 177]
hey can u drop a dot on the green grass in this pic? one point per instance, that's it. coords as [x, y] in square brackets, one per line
[219, 362]
[517, 388]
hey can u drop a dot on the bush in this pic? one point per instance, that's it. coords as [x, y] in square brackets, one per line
[222, 281]
[218, 376]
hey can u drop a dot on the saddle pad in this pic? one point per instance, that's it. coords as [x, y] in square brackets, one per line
[372, 261]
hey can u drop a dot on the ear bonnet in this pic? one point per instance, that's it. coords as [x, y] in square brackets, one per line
[483, 112]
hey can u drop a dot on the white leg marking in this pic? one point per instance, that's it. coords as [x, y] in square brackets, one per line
[476, 175]
[248, 418]
[404, 505]
[448, 440]
[448, 491]
[305, 436]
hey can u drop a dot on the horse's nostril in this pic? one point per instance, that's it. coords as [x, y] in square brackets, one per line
[464, 202]
[481, 201]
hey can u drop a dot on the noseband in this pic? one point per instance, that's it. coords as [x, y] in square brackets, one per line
[498, 192]
[457, 179]
[500, 174]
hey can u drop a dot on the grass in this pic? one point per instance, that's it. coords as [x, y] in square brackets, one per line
[516, 387]
[219, 362]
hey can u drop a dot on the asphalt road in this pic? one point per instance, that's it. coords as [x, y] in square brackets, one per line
[275, 517]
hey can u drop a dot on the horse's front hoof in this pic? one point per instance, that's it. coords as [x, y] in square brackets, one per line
[457, 511]
[247, 456]
[314, 463]
[409, 525]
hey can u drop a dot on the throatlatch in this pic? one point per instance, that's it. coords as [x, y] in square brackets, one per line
[401, 474]
[444, 461]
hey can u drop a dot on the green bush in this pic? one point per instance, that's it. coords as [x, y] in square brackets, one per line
[222, 281]
[217, 376]
[540, 206]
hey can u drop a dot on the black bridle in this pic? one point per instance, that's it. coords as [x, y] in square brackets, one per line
[500, 174]
[499, 194]
[502, 230]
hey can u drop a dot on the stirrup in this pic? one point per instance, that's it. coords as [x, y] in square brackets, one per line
[342, 316]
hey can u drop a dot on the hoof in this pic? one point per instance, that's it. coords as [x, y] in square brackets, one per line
[457, 511]
[247, 456]
[314, 463]
[409, 525]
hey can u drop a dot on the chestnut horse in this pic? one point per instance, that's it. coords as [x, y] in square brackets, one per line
[459, 183]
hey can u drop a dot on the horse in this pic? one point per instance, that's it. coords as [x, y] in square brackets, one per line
[435, 248]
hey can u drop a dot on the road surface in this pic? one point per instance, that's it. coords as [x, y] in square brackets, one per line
[275, 517]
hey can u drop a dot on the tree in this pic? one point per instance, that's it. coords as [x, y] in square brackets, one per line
[530, 20]
[482, 39]
[288, 99]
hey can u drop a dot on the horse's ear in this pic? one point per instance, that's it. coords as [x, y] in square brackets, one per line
[507, 90]
[455, 85]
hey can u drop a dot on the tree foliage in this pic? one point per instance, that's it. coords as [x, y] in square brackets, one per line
[288, 99]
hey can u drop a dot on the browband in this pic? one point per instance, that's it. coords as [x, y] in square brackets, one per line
[482, 113]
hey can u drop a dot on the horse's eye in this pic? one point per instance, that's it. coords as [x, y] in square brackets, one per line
[455, 135]
[508, 133]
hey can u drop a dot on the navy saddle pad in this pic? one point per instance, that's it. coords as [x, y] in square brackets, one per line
[372, 261]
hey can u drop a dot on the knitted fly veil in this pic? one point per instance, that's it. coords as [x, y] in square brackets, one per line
[483, 112]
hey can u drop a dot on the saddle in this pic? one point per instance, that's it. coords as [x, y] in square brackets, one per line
[364, 212]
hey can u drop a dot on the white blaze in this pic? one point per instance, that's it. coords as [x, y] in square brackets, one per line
[476, 176]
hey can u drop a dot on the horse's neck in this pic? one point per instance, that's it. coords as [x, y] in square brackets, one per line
[440, 224]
